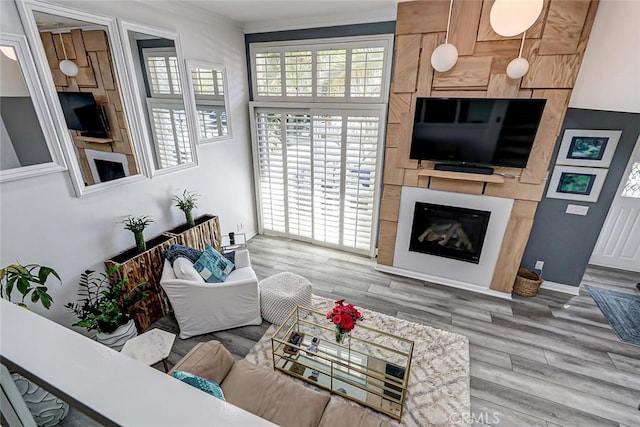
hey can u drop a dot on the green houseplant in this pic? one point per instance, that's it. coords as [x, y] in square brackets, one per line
[30, 281]
[106, 308]
[186, 204]
[137, 224]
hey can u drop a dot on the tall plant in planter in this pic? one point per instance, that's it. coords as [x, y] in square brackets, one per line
[187, 203]
[106, 308]
[137, 224]
[31, 282]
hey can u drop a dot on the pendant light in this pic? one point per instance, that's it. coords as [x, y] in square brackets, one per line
[67, 67]
[509, 18]
[519, 66]
[9, 52]
[445, 56]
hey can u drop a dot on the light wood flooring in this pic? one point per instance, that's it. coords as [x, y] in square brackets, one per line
[551, 360]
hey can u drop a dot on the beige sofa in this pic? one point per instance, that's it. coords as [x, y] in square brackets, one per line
[272, 395]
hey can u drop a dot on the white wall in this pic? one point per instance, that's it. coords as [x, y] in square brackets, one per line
[609, 75]
[41, 220]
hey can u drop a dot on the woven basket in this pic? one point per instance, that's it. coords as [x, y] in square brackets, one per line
[527, 283]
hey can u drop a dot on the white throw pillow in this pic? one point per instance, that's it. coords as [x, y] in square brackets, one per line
[183, 269]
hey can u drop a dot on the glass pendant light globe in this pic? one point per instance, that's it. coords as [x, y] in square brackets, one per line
[509, 18]
[517, 68]
[9, 52]
[444, 57]
[68, 68]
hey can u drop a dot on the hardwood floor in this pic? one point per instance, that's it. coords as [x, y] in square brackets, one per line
[544, 361]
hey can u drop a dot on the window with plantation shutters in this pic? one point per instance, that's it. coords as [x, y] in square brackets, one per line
[318, 174]
[317, 133]
[169, 128]
[351, 70]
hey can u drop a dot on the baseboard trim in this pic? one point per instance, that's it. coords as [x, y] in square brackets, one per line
[561, 287]
[439, 281]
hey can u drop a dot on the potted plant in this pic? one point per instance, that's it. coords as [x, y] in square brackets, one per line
[108, 309]
[30, 280]
[23, 278]
[137, 224]
[186, 204]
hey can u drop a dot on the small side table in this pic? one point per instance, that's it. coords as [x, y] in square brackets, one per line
[240, 242]
[150, 347]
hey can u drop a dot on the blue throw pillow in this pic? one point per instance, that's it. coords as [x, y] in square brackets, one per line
[208, 386]
[177, 251]
[213, 266]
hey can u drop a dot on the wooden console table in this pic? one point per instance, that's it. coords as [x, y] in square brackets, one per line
[147, 266]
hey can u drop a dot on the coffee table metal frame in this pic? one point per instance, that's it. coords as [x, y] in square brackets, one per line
[373, 382]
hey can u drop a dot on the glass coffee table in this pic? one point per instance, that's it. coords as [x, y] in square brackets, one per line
[371, 367]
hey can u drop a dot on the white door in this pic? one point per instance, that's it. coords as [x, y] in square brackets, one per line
[619, 243]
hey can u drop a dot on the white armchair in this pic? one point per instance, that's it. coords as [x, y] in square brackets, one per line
[208, 307]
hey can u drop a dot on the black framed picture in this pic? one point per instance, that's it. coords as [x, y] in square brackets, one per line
[576, 183]
[587, 147]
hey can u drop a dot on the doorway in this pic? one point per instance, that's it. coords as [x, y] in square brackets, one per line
[618, 245]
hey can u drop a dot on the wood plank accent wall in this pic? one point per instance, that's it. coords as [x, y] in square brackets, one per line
[90, 51]
[554, 47]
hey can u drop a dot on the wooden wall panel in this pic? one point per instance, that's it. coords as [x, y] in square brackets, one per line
[501, 86]
[550, 124]
[465, 18]
[68, 46]
[513, 245]
[404, 142]
[406, 65]
[501, 53]
[552, 71]
[456, 186]
[387, 242]
[563, 27]
[469, 71]
[95, 41]
[393, 135]
[392, 173]
[78, 47]
[398, 103]
[418, 17]
[425, 71]
[390, 208]
[481, 72]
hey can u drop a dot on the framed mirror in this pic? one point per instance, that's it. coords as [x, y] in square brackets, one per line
[208, 87]
[81, 63]
[29, 145]
[165, 108]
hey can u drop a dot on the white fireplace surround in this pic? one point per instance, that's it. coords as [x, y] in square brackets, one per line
[93, 155]
[447, 271]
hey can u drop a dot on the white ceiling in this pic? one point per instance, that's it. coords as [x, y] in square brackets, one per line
[273, 15]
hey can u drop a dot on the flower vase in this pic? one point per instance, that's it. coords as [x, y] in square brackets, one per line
[141, 245]
[189, 216]
[119, 337]
[341, 335]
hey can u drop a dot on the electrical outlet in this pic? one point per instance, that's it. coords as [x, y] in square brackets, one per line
[539, 265]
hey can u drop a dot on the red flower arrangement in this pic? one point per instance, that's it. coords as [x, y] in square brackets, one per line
[344, 316]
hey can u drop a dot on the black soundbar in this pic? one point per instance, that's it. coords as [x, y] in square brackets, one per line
[483, 170]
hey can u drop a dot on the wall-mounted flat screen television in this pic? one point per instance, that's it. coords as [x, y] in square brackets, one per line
[483, 131]
[82, 113]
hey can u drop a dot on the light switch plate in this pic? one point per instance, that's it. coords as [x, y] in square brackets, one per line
[577, 209]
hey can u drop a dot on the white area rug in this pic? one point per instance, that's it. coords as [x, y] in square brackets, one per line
[438, 392]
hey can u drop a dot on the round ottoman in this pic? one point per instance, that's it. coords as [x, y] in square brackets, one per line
[280, 293]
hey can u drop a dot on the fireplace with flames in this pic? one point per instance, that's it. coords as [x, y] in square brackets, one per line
[448, 231]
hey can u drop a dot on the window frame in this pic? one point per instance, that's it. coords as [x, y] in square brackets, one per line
[315, 45]
[209, 101]
[322, 108]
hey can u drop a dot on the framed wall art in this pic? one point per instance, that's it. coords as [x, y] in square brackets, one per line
[576, 183]
[586, 147]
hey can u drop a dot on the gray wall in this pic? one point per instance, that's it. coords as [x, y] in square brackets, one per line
[23, 127]
[386, 27]
[563, 241]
